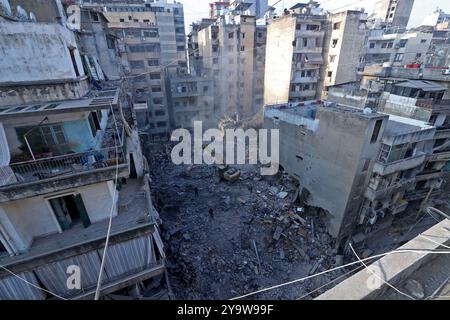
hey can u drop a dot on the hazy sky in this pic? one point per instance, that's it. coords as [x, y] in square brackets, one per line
[197, 9]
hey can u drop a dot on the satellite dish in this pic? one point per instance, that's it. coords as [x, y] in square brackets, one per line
[5, 7]
[33, 17]
[21, 14]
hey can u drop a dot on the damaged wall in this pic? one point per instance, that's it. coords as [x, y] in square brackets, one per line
[333, 163]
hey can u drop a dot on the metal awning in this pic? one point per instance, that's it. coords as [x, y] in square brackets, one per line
[421, 84]
[101, 99]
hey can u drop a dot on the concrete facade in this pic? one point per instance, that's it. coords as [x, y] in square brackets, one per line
[294, 57]
[397, 49]
[232, 52]
[330, 149]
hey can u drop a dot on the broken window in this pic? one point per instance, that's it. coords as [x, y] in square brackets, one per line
[337, 26]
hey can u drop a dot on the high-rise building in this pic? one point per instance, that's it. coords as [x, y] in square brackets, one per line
[394, 12]
[232, 52]
[344, 47]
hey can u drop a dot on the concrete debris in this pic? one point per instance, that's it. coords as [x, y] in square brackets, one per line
[316, 266]
[256, 236]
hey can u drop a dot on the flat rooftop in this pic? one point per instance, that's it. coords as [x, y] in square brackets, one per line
[94, 100]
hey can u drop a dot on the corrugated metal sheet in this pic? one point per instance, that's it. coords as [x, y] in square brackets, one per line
[127, 257]
[54, 275]
[13, 288]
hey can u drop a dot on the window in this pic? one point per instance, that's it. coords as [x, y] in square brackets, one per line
[153, 62]
[418, 55]
[74, 61]
[158, 101]
[110, 42]
[398, 57]
[205, 89]
[69, 211]
[156, 89]
[94, 16]
[137, 64]
[423, 41]
[330, 74]
[372, 45]
[160, 113]
[155, 76]
[180, 48]
[151, 33]
[376, 131]
[94, 123]
[231, 35]
[403, 43]
[242, 48]
[390, 45]
[334, 43]
[243, 35]
[337, 26]
[312, 27]
[54, 138]
[384, 45]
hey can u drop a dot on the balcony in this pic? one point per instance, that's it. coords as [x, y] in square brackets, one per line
[135, 253]
[302, 94]
[429, 175]
[384, 169]
[441, 156]
[384, 192]
[296, 79]
[442, 134]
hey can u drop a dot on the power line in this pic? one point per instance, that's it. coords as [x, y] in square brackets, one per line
[338, 268]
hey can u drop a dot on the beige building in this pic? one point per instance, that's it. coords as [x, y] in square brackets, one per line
[295, 55]
[152, 46]
[232, 51]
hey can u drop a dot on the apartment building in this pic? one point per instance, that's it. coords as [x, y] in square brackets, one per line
[295, 55]
[232, 52]
[394, 12]
[218, 8]
[397, 49]
[344, 47]
[439, 52]
[69, 160]
[152, 47]
[192, 99]
[330, 149]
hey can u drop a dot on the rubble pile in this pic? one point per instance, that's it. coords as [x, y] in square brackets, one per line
[225, 239]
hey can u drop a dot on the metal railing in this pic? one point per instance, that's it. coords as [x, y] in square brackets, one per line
[48, 168]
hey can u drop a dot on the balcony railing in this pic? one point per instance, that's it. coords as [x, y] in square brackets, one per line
[400, 165]
[49, 168]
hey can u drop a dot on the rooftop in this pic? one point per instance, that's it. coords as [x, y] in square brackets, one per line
[424, 85]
